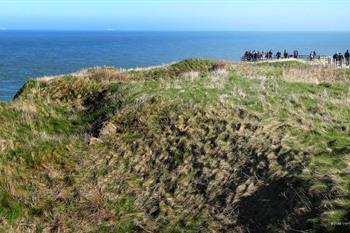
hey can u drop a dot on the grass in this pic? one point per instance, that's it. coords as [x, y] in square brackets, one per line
[9, 208]
[124, 206]
[188, 147]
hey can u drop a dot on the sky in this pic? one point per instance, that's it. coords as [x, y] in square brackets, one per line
[176, 15]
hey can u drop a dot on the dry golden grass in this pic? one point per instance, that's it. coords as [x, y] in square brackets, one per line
[25, 107]
[313, 74]
[295, 72]
[108, 74]
[193, 146]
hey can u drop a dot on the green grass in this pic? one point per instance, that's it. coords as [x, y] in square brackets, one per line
[124, 206]
[284, 64]
[186, 138]
[9, 208]
[333, 217]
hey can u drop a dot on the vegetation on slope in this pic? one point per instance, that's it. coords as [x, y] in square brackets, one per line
[196, 146]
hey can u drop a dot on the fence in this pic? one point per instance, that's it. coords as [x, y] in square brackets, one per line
[323, 59]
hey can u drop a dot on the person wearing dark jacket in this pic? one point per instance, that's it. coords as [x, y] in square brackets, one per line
[278, 55]
[335, 58]
[338, 59]
[347, 57]
[285, 54]
[296, 54]
[311, 56]
[270, 55]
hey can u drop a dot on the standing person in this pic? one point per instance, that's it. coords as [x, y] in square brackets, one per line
[249, 55]
[335, 58]
[254, 55]
[285, 54]
[347, 57]
[311, 56]
[270, 54]
[278, 55]
[341, 58]
[296, 54]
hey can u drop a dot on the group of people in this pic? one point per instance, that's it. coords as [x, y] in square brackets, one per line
[339, 58]
[259, 56]
[312, 56]
[252, 56]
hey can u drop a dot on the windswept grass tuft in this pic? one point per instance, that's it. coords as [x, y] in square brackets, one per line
[194, 146]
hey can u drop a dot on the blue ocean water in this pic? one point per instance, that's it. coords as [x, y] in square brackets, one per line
[25, 55]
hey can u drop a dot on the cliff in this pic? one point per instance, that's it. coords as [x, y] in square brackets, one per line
[194, 146]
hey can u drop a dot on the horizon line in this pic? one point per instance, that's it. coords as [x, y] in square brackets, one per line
[170, 30]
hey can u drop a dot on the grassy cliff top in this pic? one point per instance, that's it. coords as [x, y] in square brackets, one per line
[195, 146]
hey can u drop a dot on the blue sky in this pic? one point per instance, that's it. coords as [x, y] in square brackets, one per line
[280, 15]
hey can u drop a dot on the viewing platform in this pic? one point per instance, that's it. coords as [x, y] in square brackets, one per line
[319, 59]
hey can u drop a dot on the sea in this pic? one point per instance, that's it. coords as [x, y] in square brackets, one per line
[26, 55]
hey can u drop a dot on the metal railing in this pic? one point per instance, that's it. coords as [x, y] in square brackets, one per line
[321, 59]
[300, 57]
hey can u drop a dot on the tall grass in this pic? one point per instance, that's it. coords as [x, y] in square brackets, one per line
[197, 146]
